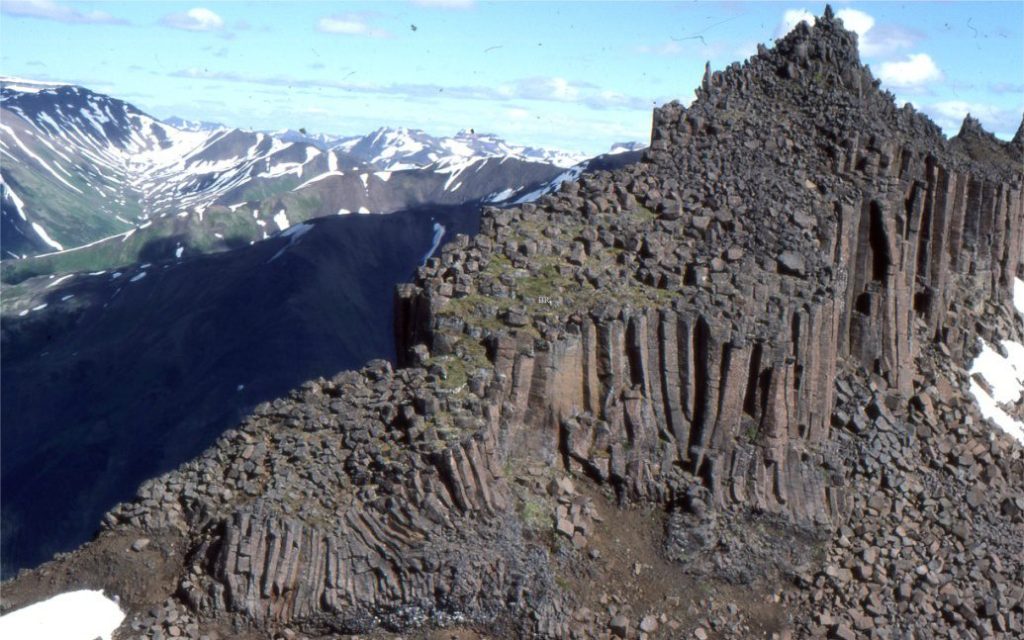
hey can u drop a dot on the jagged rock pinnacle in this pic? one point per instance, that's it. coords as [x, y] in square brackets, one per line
[971, 126]
[828, 41]
[735, 330]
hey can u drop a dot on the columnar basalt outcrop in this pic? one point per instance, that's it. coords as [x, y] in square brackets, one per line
[372, 498]
[760, 255]
[739, 331]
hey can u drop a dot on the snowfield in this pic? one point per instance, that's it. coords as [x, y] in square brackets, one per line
[1005, 376]
[76, 615]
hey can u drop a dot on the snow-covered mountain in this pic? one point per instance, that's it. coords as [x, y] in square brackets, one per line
[626, 147]
[80, 166]
[619, 156]
[193, 125]
[91, 173]
[400, 148]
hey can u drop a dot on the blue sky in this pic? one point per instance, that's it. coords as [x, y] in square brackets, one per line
[576, 75]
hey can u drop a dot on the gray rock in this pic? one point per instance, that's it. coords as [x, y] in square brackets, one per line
[791, 263]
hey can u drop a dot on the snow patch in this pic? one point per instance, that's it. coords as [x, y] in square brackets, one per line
[41, 232]
[282, 169]
[453, 168]
[293, 233]
[318, 179]
[281, 219]
[28, 86]
[39, 160]
[297, 231]
[1004, 375]
[363, 210]
[551, 187]
[438, 234]
[138, 276]
[19, 205]
[76, 615]
[501, 195]
[59, 280]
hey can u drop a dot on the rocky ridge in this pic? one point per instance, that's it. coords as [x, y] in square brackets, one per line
[749, 339]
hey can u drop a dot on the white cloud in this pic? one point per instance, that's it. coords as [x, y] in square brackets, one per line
[50, 10]
[856, 21]
[562, 89]
[875, 40]
[949, 114]
[197, 19]
[697, 48]
[886, 39]
[445, 4]
[543, 88]
[916, 70]
[872, 39]
[791, 18]
[349, 25]
[517, 113]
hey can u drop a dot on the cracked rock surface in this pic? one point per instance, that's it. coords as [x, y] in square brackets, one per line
[720, 393]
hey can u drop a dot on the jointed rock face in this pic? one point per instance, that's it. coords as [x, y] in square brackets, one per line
[757, 334]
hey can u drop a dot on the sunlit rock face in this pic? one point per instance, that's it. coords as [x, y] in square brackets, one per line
[748, 346]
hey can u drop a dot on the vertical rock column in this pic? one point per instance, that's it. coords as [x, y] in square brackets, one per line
[630, 396]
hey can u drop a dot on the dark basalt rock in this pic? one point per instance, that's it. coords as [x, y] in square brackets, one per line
[754, 330]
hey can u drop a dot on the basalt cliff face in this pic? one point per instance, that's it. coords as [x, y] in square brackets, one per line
[718, 393]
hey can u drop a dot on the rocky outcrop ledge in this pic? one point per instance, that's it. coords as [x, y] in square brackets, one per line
[722, 333]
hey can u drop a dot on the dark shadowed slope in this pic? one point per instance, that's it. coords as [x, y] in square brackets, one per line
[135, 374]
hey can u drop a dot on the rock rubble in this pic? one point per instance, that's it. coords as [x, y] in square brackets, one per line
[758, 333]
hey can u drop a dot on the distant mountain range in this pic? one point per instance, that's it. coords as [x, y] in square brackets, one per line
[400, 148]
[89, 172]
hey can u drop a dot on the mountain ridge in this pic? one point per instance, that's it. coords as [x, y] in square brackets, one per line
[730, 368]
[88, 166]
[150, 362]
